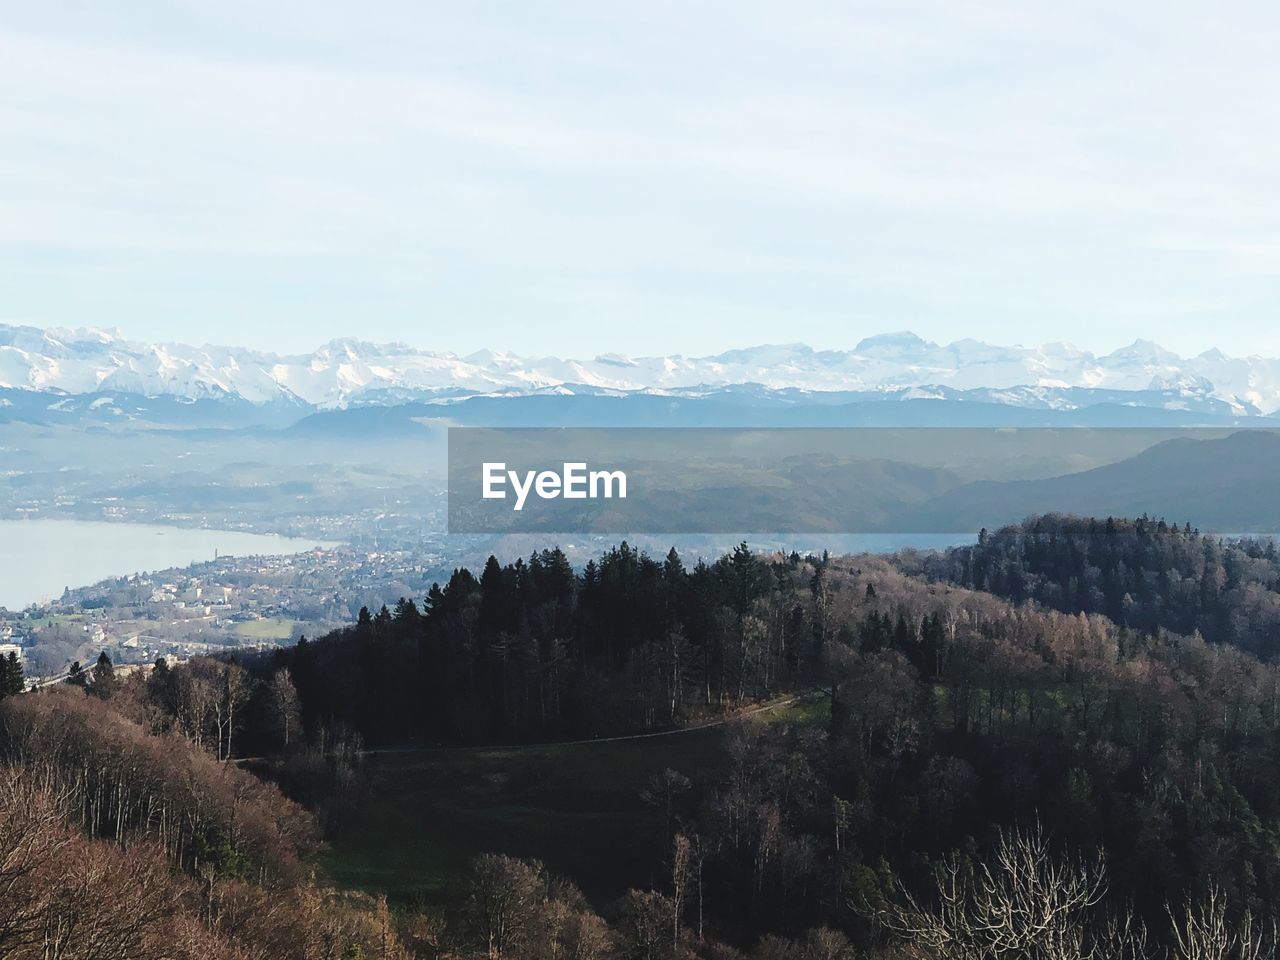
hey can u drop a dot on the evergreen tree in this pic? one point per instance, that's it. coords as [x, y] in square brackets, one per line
[12, 680]
[406, 612]
[104, 676]
[364, 622]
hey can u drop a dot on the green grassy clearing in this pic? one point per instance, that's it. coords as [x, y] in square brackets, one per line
[271, 628]
[575, 807]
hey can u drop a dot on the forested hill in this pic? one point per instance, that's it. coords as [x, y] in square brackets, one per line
[534, 651]
[942, 720]
[947, 714]
[1143, 574]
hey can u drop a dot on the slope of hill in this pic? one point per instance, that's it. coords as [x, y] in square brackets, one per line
[1143, 574]
[1226, 484]
[940, 722]
[945, 714]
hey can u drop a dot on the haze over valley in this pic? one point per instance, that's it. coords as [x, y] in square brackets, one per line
[345, 447]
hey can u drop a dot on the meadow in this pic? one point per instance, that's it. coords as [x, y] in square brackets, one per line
[576, 807]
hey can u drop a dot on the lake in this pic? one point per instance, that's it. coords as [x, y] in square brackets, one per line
[38, 558]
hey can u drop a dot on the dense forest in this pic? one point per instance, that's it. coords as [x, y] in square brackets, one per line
[963, 775]
[532, 650]
[1143, 574]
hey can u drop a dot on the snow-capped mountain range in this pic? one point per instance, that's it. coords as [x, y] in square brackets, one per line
[901, 365]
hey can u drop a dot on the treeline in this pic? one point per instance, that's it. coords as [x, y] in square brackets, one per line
[124, 783]
[1143, 574]
[118, 843]
[532, 650]
[950, 750]
[1026, 899]
[223, 711]
[927, 803]
[950, 715]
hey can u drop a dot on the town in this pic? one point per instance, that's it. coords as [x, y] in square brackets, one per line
[221, 605]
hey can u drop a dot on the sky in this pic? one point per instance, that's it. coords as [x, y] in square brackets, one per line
[643, 177]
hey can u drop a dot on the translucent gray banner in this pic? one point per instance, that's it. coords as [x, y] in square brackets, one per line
[857, 480]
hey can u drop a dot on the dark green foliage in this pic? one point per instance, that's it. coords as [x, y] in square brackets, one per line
[1143, 574]
[103, 681]
[12, 680]
[939, 717]
[530, 650]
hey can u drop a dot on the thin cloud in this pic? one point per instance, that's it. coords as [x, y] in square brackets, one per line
[846, 152]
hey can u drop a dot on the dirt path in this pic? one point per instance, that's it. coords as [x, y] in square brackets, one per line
[677, 731]
[731, 718]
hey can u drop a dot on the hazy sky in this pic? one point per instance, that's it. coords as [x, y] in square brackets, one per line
[644, 177]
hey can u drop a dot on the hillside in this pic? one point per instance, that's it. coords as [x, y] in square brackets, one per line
[940, 727]
[947, 716]
[1225, 484]
[1143, 574]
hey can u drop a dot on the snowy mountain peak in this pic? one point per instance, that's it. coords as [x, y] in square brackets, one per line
[900, 343]
[1144, 351]
[350, 370]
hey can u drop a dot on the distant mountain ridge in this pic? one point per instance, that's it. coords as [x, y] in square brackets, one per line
[1179, 479]
[898, 366]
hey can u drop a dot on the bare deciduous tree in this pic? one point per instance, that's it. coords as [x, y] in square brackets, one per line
[681, 854]
[502, 894]
[1202, 930]
[285, 706]
[1026, 902]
